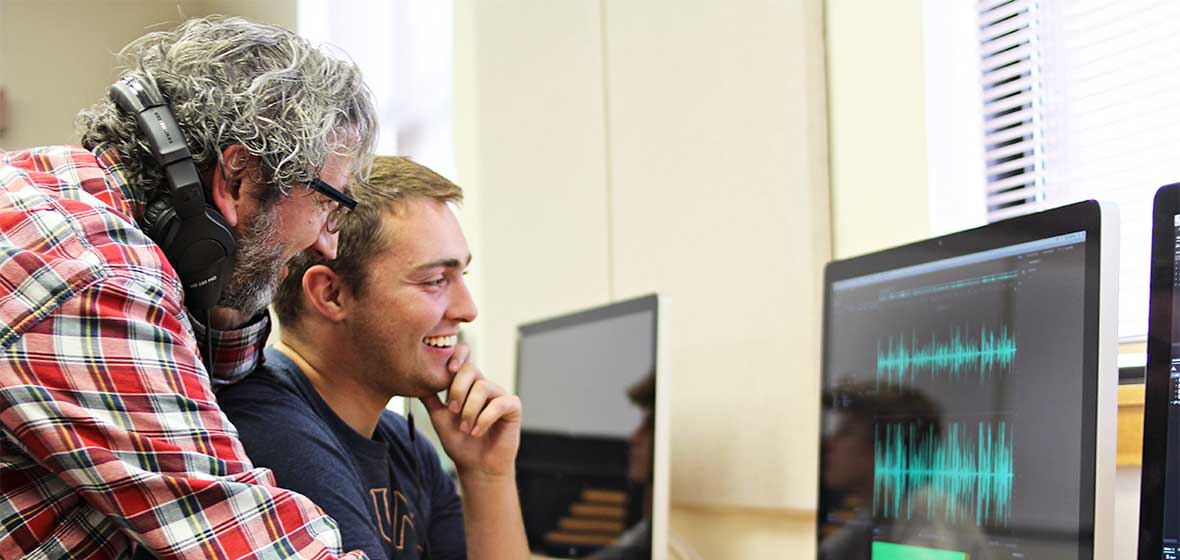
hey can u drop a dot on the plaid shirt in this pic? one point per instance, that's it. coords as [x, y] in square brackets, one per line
[109, 431]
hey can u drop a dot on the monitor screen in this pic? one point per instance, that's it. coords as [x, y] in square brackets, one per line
[1171, 519]
[1159, 516]
[586, 463]
[959, 389]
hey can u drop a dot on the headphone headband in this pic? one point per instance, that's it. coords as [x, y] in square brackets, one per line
[165, 139]
[193, 235]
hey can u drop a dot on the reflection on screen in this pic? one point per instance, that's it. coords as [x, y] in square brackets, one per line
[585, 463]
[939, 440]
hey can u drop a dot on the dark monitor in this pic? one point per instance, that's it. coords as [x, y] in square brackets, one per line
[1159, 506]
[969, 390]
[591, 468]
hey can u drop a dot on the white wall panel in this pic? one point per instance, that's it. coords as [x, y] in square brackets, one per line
[719, 202]
[877, 112]
[620, 148]
[59, 58]
[541, 166]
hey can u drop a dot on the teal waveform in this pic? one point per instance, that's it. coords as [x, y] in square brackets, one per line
[963, 476]
[900, 359]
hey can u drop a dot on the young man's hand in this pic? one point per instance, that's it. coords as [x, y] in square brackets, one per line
[479, 426]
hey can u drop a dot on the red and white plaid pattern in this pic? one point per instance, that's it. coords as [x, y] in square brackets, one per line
[109, 431]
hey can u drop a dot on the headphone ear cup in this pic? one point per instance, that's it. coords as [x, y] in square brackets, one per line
[201, 249]
[220, 231]
[160, 222]
[205, 250]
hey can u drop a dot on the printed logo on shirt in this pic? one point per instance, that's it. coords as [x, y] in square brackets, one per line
[393, 524]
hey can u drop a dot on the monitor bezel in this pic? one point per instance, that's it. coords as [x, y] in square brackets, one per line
[662, 433]
[1095, 532]
[1165, 207]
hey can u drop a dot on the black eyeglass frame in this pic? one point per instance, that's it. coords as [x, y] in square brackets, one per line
[344, 204]
[320, 186]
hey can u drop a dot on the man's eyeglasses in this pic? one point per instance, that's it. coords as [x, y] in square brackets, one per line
[343, 203]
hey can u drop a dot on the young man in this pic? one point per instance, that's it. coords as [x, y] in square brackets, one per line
[382, 319]
[111, 441]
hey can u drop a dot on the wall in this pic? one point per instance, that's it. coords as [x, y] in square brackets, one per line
[57, 57]
[616, 151]
[284, 13]
[877, 124]
[538, 130]
[1126, 512]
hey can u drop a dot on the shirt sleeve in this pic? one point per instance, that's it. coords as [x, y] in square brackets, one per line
[108, 395]
[321, 470]
[448, 535]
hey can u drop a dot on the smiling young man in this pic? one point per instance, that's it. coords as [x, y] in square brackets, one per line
[380, 320]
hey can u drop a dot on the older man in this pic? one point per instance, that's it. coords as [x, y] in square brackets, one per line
[111, 438]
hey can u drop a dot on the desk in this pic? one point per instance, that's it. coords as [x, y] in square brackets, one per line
[1130, 437]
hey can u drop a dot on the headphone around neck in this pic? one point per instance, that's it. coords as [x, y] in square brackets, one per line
[192, 234]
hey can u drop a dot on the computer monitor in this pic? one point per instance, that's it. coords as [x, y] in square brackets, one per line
[592, 467]
[1159, 504]
[969, 394]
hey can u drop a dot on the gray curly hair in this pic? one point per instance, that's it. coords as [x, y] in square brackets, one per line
[232, 81]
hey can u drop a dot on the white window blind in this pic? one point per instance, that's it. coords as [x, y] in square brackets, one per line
[1082, 100]
[1011, 67]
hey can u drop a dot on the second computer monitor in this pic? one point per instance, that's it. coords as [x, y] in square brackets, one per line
[969, 394]
[592, 466]
[1159, 513]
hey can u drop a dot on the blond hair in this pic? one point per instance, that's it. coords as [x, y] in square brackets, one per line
[394, 181]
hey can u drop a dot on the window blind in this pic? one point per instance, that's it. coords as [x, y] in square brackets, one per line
[1013, 137]
[1090, 104]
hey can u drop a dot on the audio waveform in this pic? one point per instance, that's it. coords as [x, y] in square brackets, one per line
[900, 359]
[957, 477]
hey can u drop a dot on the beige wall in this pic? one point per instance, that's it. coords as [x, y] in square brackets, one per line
[541, 165]
[743, 533]
[279, 12]
[57, 57]
[616, 151]
[877, 120]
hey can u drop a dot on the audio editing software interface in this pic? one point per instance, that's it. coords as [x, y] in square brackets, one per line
[1171, 528]
[955, 407]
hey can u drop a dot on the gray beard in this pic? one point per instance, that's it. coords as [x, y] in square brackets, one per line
[257, 265]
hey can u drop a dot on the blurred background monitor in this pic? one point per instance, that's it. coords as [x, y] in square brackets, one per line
[969, 389]
[592, 466]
